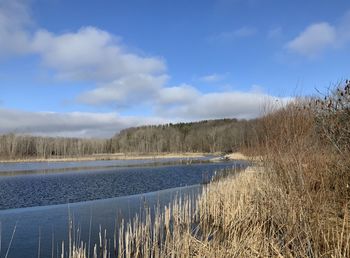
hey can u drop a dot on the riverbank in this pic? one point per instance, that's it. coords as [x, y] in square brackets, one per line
[245, 215]
[115, 156]
[228, 224]
[140, 156]
[236, 156]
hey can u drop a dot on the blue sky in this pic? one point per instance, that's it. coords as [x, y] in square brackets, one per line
[91, 68]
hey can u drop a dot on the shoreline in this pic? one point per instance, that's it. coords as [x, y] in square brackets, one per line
[137, 156]
[116, 156]
[236, 156]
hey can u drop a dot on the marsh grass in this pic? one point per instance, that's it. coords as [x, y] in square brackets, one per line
[240, 216]
[293, 203]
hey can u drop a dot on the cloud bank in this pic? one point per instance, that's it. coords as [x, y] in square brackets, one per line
[233, 104]
[74, 124]
[122, 79]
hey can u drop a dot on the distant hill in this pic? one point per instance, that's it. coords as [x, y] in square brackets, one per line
[221, 135]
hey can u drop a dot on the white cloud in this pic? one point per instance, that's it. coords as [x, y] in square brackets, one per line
[318, 37]
[185, 102]
[175, 104]
[314, 39]
[127, 91]
[14, 18]
[258, 89]
[87, 54]
[91, 54]
[74, 124]
[177, 95]
[233, 104]
[121, 78]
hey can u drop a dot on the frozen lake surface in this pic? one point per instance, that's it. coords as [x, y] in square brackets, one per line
[38, 200]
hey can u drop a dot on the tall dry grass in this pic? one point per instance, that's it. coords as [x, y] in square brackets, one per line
[306, 147]
[241, 216]
[294, 203]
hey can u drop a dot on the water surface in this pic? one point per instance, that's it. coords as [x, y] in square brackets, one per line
[51, 222]
[59, 165]
[101, 192]
[83, 185]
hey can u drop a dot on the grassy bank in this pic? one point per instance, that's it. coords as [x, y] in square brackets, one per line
[242, 216]
[295, 204]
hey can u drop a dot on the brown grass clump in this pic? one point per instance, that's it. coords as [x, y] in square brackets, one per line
[307, 147]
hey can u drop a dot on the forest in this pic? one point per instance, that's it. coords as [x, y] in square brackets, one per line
[222, 135]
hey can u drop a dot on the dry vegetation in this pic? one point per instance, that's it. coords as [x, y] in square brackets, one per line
[293, 203]
[23, 147]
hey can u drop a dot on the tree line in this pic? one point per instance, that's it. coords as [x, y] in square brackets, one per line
[222, 135]
[14, 146]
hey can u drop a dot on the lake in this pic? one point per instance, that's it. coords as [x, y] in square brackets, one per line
[39, 203]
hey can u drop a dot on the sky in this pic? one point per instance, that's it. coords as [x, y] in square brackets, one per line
[91, 68]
